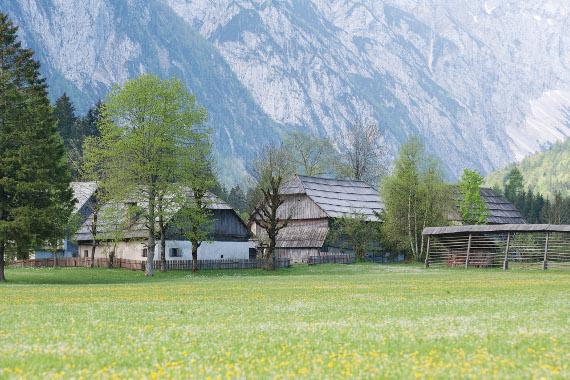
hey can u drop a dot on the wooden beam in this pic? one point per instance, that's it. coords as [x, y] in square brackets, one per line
[545, 261]
[468, 252]
[506, 263]
[427, 252]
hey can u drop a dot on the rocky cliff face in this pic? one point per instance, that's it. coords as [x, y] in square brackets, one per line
[484, 82]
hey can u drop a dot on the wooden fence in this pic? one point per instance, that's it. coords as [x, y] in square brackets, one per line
[332, 259]
[221, 264]
[71, 262]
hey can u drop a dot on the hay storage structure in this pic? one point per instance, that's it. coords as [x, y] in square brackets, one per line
[313, 203]
[522, 245]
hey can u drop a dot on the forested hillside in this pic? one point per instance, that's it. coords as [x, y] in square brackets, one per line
[545, 173]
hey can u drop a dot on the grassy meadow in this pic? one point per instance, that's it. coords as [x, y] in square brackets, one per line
[328, 321]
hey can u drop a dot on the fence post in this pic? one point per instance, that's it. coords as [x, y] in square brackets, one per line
[468, 252]
[427, 252]
[506, 263]
[544, 263]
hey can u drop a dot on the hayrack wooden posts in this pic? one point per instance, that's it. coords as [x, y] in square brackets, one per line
[468, 252]
[427, 252]
[516, 246]
[544, 262]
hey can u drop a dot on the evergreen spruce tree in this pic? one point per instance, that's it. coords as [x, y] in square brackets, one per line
[36, 199]
[67, 125]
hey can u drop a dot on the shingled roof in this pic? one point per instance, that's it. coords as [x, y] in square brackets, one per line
[82, 192]
[336, 197]
[502, 211]
[110, 217]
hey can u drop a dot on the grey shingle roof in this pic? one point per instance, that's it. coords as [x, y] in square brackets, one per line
[338, 197]
[138, 229]
[502, 211]
[82, 192]
[496, 228]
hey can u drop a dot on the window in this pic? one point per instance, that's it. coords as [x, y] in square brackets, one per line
[175, 252]
[222, 257]
[86, 253]
[144, 252]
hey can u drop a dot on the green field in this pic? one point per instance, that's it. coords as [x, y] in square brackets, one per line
[329, 321]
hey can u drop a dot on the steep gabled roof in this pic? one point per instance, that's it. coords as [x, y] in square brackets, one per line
[337, 197]
[109, 218]
[82, 192]
[502, 211]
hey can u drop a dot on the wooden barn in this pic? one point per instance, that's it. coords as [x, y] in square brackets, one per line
[313, 203]
[85, 193]
[229, 237]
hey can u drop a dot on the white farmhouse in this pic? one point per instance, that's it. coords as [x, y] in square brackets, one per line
[228, 237]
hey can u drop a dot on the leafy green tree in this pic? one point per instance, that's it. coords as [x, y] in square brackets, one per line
[153, 141]
[472, 207]
[354, 230]
[310, 155]
[415, 196]
[36, 199]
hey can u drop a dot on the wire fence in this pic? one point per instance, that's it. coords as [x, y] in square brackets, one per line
[541, 250]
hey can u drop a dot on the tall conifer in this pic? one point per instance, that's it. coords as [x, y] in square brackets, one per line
[35, 195]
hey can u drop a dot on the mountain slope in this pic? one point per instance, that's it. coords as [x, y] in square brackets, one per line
[472, 77]
[484, 82]
[87, 47]
[546, 172]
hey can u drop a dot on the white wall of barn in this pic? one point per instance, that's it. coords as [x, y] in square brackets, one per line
[215, 250]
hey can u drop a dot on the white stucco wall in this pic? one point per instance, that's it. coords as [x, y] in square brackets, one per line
[207, 251]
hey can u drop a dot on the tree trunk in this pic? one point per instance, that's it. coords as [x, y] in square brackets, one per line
[111, 258]
[270, 254]
[151, 231]
[2, 278]
[195, 257]
[55, 259]
[162, 245]
[94, 244]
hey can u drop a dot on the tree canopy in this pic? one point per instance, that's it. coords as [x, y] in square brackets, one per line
[152, 147]
[472, 207]
[415, 196]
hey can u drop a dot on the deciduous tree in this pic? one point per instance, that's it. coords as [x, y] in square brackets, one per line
[153, 133]
[364, 154]
[271, 168]
[354, 230]
[472, 207]
[310, 155]
[415, 196]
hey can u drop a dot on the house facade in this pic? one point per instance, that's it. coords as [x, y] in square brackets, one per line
[228, 238]
[85, 193]
[312, 204]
